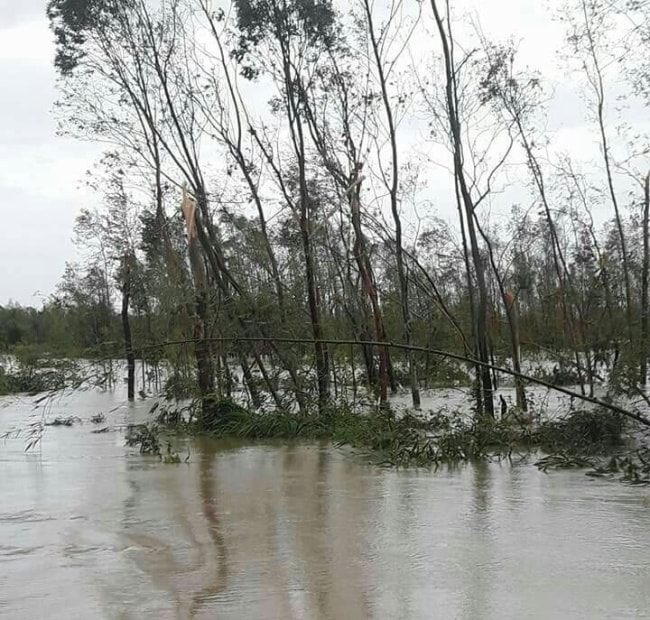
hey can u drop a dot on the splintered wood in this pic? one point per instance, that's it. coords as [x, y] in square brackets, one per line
[188, 208]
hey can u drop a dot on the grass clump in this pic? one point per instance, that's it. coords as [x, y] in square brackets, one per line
[404, 440]
[383, 436]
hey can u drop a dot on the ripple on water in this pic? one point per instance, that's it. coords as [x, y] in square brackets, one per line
[24, 516]
[8, 552]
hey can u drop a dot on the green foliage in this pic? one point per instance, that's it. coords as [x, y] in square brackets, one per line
[582, 432]
[313, 22]
[144, 437]
[179, 387]
[413, 441]
[31, 373]
[71, 20]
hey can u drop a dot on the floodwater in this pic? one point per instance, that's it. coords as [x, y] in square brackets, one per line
[91, 529]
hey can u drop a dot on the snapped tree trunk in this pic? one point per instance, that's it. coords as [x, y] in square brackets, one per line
[202, 351]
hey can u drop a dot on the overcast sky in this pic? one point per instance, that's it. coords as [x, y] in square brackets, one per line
[41, 174]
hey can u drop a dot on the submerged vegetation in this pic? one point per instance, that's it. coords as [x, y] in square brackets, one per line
[592, 439]
[310, 207]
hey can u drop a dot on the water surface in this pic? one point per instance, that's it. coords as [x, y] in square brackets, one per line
[91, 529]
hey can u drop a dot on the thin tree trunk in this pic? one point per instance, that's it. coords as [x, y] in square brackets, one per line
[126, 327]
[512, 306]
[599, 89]
[482, 308]
[643, 370]
[249, 381]
[320, 349]
[368, 284]
[478, 393]
[394, 204]
[512, 314]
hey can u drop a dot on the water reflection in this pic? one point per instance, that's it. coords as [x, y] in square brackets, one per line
[89, 529]
[478, 554]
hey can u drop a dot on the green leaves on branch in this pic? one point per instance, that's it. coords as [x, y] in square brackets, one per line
[72, 21]
[312, 22]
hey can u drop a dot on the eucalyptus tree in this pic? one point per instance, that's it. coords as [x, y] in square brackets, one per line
[394, 32]
[284, 42]
[340, 112]
[110, 55]
[139, 57]
[590, 23]
[459, 114]
[113, 234]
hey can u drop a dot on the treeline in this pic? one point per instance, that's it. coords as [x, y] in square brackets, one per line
[267, 177]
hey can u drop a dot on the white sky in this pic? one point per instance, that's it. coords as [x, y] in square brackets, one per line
[40, 173]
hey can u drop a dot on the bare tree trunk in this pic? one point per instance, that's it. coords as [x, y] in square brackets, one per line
[468, 204]
[512, 308]
[643, 371]
[320, 348]
[126, 327]
[512, 314]
[596, 82]
[478, 393]
[394, 204]
[368, 283]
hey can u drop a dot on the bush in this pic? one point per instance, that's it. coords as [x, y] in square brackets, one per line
[585, 431]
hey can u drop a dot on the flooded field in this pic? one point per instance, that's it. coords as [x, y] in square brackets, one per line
[91, 529]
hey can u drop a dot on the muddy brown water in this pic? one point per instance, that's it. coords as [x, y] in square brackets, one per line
[91, 529]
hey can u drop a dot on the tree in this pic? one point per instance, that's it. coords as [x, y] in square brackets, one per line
[294, 34]
[377, 42]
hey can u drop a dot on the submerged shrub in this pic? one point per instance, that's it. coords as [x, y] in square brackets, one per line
[179, 387]
[407, 439]
[144, 437]
[585, 431]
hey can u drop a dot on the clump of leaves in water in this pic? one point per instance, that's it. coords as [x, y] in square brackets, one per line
[144, 437]
[632, 467]
[582, 432]
[63, 421]
[562, 461]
